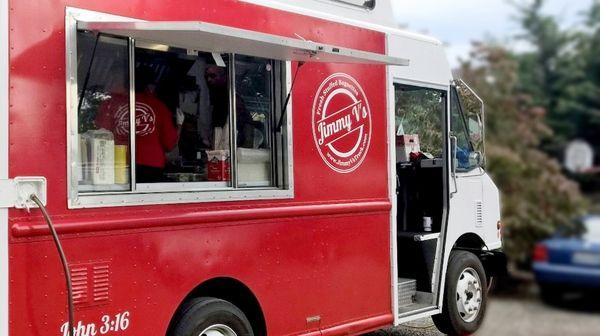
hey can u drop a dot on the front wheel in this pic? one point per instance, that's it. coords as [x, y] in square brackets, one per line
[211, 317]
[465, 297]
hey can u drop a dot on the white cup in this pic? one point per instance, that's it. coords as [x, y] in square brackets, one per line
[427, 224]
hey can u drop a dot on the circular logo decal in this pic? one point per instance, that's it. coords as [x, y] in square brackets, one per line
[341, 123]
[122, 121]
[145, 119]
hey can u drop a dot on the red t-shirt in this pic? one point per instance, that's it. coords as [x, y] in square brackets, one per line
[155, 133]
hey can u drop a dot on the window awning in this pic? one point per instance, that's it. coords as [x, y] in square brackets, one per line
[210, 37]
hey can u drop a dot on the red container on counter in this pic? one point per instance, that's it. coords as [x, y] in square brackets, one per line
[218, 165]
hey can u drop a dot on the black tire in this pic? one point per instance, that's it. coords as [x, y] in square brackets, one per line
[450, 321]
[199, 314]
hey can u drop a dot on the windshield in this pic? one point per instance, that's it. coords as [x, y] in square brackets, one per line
[592, 228]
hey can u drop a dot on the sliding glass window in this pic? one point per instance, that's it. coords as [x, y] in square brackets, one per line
[202, 121]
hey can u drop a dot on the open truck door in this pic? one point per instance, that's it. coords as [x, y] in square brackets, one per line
[442, 220]
[421, 193]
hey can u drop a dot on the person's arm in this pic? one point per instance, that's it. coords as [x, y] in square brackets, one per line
[179, 118]
[168, 133]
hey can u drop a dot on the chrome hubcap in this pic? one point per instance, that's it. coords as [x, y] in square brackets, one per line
[468, 295]
[218, 330]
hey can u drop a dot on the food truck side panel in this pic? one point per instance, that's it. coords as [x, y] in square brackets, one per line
[38, 65]
[323, 253]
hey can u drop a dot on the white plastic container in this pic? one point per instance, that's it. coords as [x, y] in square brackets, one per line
[254, 168]
[102, 157]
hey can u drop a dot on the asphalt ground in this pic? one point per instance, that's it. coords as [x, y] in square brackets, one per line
[524, 315]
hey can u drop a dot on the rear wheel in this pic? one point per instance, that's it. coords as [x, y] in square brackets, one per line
[209, 316]
[465, 297]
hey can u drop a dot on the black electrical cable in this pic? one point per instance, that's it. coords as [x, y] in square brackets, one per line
[287, 99]
[63, 260]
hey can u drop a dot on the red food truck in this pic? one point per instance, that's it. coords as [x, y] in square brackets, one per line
[236, 167]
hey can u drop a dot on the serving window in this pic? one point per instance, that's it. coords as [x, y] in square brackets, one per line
[202, 121]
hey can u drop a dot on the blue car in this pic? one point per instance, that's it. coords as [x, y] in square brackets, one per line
[569, 262]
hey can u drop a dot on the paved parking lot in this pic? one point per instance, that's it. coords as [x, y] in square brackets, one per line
[517, 316]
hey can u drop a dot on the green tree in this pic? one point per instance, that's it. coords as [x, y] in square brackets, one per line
[562, 74]
[537, 198]
[547, 70]
[539, 70]
[579, 101]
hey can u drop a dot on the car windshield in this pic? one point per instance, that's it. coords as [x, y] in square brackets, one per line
[592, 228]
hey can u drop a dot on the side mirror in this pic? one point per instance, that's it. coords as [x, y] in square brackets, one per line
[474, 109]
[475, 159]
[475, 127]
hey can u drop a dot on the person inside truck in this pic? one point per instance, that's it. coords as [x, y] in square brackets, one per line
[216, 79]
[156, 133]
